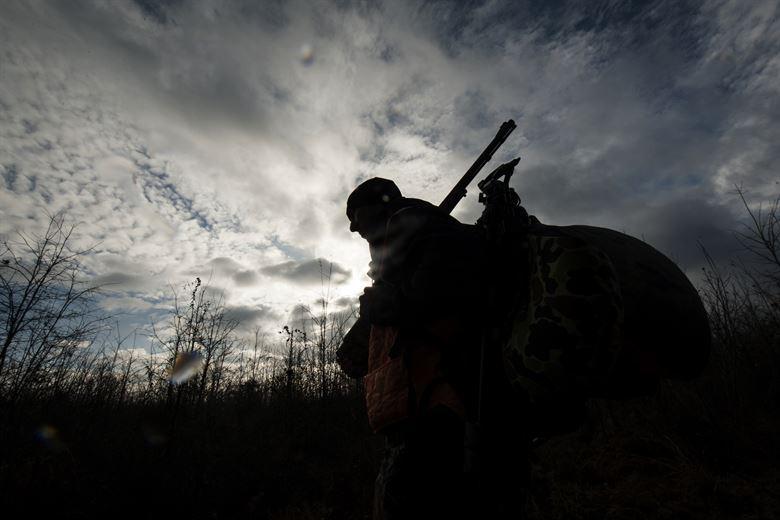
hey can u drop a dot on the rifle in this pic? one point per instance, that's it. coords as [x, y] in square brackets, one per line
[448, 204]
[459, 191]
[502, 217]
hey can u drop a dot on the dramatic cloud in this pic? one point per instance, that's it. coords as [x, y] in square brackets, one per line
[121, 281]
[250, 317]
[344, 302]
[127, 304]
[317, 271]
[245, 278]
[220, 139]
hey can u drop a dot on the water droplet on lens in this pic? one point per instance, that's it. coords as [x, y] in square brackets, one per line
[307, 54]
[187, 365]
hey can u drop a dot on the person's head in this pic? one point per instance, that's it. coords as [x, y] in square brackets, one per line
[369, 206]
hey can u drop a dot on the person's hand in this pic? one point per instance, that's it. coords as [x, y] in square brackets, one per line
[380, 304]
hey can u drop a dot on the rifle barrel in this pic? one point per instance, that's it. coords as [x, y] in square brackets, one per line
[459, 191]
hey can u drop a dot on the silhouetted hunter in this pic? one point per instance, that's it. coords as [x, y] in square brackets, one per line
[473, 339]
[424, 334]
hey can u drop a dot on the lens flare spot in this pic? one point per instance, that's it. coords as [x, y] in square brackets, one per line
[187, 365]
[153, 435]
[306, 54]
[49, 437]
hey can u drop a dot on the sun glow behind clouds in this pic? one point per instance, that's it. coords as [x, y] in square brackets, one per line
[188, 133]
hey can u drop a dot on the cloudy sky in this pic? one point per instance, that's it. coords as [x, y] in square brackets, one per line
[220, 139]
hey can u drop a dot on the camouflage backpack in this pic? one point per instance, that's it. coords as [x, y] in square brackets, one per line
[605, 315]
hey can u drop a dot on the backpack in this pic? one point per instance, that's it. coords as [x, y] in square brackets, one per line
[604, 315]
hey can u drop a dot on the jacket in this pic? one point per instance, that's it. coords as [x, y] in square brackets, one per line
[421, 337]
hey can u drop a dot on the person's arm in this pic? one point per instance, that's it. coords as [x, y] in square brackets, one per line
[437, 276]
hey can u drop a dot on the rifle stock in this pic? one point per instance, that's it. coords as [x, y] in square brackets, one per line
[459, 191]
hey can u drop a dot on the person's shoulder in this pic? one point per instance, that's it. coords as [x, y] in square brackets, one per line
[421, 214]
[411, 205]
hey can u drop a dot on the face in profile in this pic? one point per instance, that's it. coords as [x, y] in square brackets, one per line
[370, 221]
